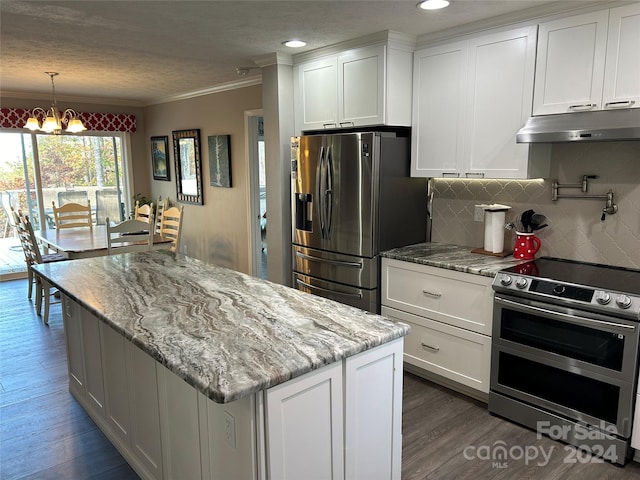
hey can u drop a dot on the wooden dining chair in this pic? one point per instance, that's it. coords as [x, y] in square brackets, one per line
[171, 226]
[143, 213]
[129, 236]
[161, 206]
[72, 215]
[33, 256]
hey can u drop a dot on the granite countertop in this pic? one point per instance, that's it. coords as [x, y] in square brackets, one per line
[452, 257]
[225, 333]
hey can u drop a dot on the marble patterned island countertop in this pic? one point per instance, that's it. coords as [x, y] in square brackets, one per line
[452, 257]
[225, 333]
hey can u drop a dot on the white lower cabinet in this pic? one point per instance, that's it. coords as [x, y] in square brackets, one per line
[145, 411]
[180, 427]
[450, 314]
[116, 381]
[454, 353]
[342, 421]
[373, 413]
[305, 426]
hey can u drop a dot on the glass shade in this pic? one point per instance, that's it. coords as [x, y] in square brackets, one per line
[75, 126]
[32, 124]
[50, 125]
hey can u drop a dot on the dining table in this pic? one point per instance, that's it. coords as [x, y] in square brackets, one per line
[86, 242]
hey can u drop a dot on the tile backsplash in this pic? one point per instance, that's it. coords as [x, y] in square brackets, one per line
[575, 230]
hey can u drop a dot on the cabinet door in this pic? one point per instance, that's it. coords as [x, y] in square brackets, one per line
[450, 352]
[145, 410]
[361, 86]
[460, 299]
[305, 426]
[622, 71]
[373, 413]
[499, 95]
[91, 341]
[439, 80]
[180, 426]
[570, 64]
[75, 352]
[117, 388]
[316, 97]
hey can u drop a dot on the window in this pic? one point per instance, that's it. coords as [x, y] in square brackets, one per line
[38, 169]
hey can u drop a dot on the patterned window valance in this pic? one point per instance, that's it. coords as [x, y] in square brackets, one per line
[97, 122]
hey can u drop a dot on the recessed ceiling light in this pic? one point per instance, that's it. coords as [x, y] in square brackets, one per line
[433, 4]
[294, 43]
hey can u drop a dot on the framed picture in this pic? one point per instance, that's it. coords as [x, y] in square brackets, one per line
[160, 158]
[219, 161]
[186, 156]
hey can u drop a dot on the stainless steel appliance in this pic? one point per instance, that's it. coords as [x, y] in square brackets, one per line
[352, 197]
[597, 126]
[564, 355]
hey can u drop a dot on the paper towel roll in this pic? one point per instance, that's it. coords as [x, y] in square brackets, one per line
[494, 231]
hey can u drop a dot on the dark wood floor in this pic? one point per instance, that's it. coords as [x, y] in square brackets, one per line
[45, 434]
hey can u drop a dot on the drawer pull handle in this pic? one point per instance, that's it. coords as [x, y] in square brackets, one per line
[621, 104]
[583, 107]
[429, 347]
[431, 294]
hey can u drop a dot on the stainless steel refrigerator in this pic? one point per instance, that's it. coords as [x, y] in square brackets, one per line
[352, 197]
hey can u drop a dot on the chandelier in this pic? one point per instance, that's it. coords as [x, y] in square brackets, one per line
[52, 122]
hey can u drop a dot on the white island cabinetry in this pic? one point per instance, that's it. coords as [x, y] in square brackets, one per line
[450, 314]
[341, 421]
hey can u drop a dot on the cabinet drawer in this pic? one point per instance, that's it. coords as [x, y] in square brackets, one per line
[453, 353]
[460, 299]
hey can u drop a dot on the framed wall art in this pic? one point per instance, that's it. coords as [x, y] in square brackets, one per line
[219, 161]
[160, 158]
[186, 154]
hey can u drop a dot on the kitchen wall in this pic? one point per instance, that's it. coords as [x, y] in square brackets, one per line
[216, 232]
[575, 230]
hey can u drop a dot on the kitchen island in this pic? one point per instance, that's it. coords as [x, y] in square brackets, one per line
[197, 371]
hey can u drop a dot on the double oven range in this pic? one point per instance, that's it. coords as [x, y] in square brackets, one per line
[564, 357]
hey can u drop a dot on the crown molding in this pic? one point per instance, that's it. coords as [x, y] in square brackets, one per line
[275, 58]
[72, 98]
[392, 38]
[245, 82]
[530, 16]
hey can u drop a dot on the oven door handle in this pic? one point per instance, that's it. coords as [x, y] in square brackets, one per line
[577, 319]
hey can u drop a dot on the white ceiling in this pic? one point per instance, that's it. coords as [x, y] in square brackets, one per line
[140, 52]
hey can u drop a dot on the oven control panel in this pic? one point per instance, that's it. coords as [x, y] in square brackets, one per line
[600, 300]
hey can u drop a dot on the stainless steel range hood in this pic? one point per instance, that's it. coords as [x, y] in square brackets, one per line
[601, 126]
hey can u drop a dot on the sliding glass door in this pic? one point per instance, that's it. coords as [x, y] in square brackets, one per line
[37, 170]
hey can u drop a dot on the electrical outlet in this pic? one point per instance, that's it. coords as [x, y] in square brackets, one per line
[230, 429]
[478, 215]
[184, 249]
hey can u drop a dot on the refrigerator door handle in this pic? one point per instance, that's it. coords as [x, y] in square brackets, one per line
[326, 290]
[337, 263]
[319, 187]
[329, 191]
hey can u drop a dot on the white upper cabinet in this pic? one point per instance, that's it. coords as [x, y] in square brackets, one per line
[358, 87]
[589, 62]
[361, 86]
[622, 71]
[316, 93]
[469, 100]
